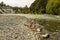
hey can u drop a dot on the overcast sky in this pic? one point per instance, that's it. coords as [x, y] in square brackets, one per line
[19, 3]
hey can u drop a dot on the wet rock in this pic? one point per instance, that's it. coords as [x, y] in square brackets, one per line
[38, 29]
[45, 36]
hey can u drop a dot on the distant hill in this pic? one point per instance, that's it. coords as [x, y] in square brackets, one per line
[5, 9]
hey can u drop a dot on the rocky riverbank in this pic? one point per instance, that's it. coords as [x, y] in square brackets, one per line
[20, 27]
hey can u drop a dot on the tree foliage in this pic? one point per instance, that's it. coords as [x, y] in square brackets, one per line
[53, 7]
[24, 10]
[46, 6]
[38, 5]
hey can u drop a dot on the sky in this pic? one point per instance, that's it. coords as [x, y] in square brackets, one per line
[19, 3]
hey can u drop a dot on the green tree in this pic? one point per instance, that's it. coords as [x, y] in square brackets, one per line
[2, 4]
[25, 10]
[38, 5]
[53, 7]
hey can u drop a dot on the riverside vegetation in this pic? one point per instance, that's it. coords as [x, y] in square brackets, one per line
[37, 7]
